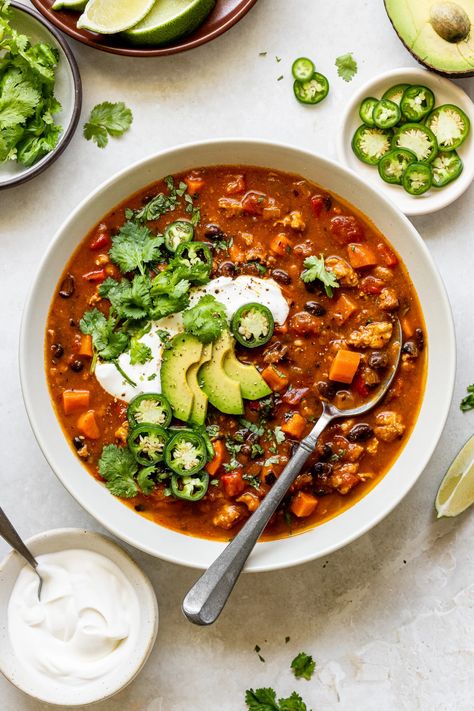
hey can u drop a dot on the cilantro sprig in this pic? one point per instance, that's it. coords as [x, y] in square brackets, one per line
[107, 119]
[467, 403]
[206, 320]
[316, 271]
[135, 247]
[346, 66]
[303, 666]
[108, 343]
[265, 700]
[122, 474]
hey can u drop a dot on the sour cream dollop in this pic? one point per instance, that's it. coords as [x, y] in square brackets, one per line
[85, 624]
[232, 293]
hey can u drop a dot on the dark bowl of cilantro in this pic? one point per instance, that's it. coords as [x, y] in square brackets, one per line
[40, 94]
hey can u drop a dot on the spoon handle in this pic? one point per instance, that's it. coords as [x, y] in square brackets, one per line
[206, 599]
[11, 536]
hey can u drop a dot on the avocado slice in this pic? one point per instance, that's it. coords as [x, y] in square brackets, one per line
[252, 385]
[199, 408]
[185, 350]
[438, 33]
[222, 390]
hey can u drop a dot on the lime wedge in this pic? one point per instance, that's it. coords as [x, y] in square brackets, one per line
[107, 17]
[75, 5]
[456, 492]
[170, 19]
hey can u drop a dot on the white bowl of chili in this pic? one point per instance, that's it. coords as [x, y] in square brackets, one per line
[378, 501]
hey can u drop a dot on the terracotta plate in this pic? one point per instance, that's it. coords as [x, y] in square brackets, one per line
[225, 14]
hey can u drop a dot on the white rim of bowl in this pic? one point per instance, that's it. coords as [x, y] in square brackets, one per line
[254, 566]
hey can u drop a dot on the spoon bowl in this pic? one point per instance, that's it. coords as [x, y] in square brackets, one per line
[9, 533]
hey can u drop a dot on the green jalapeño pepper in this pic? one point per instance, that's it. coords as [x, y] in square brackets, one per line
[252, 325]
[395, 93]
[446, 167]
[450, 125]
[177, 233]
[190, 488]
[302, 69]
[417, 102]
[147, 443]
[417, 138]
[151, 408]
[370, 144]
[386, 113]
[186, 453]
[195, 259]
[366, 110]
[313, 90]
[417, 178]
[394, 164]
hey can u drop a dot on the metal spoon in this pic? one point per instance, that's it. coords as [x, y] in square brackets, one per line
[206, 599]
[11, 536]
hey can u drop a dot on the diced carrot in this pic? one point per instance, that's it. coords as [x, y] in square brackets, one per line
[219, 452]
[195, 184]
[75, 400]
[343, 309]
[85, 347]
[87, 425]
[303, 504]
[294, 426]
[344, 366]
[388, 257]
[236, 254]
[408, 327]
[361, 255]
[233, 483]
[275, 378]
[281, 245]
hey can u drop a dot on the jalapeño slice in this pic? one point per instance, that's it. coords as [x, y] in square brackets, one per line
[386, 114]
[366, 109]
[417, 102]
[416, 137]
[150, 408]
[252, 325]
[394, 164]
[450, 125]
[190, 488]
[147, 443]
[395, 93]
[302, 69]
[197, 258]
[186, 453]
[417, 178]
[178, 233]
[370, 144]
[446, 167]
[312, 91]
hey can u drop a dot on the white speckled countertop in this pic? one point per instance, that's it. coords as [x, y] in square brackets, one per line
[389, 619]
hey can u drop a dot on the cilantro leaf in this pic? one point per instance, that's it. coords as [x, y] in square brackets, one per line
[118, 467]
[467, 403]
[206, 320]
[303, 666]
[316, 270]
[145, 481]
[134, 247]
[261, 700]
[293, 703]
[107, 119]
[346, 66]
[139, 352]
[109, 344]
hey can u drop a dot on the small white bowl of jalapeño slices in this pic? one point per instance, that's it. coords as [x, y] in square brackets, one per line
[409, 133]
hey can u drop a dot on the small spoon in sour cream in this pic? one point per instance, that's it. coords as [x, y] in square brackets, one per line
[12, 537]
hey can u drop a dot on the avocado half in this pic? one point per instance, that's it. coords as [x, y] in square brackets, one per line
[440, 35]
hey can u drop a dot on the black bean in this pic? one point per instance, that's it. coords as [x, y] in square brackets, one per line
[270, 479]
[327, 202]
[139, 507]
[378, 360]
[322, 469]
[78, 443]
[326, 453]
[67, 286]
[281, 276]
[72, 323]
[420, 339]
[311, 286]
[321, 478]
[315, 308]
[326, 389]
[226, 269]
[57, 350]
[360, 433]
[410, 349]
[213, 232]
[76, 365]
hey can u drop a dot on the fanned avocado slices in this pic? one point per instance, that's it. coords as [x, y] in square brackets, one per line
[439, 34]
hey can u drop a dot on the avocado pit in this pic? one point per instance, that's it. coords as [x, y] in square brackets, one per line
[450, 21]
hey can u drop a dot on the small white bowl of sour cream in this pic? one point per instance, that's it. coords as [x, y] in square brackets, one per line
[94, 627]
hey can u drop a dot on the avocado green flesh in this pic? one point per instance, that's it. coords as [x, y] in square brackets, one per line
[412, 21]
[252, 385]
[223, 391]
[184, 352]
[199, 407]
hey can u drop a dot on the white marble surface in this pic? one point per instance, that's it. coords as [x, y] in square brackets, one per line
[389, 619]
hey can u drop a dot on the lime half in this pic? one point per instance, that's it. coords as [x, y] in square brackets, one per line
[107, 18]
[456, 492]
[75, 5]
[170, 19]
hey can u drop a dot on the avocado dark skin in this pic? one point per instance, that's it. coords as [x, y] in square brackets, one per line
[438, 33]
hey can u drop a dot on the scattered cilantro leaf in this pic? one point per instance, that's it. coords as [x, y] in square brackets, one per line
[467, 403]
[139, 352]
[134, 247]
[303, 666]
[279, 435]
[206, 320]
[145, 480]
[109, 344]
[265, 700]
[118, 467]
[252, 427]
[316, 270]
[107, 119]
[346, 66]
